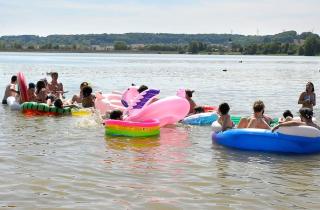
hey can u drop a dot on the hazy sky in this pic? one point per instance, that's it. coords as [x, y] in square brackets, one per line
[43, 17]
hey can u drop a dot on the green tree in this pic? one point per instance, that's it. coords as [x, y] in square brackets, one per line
[311, 45]
[120, 45]
[194, 47]
[301, 50]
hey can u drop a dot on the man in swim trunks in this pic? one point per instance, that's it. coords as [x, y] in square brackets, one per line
[10, 89]
[55, 87]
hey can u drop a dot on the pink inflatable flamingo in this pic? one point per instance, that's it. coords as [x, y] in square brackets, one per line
[168, 110]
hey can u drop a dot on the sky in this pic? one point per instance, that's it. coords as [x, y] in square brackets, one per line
[248, 17]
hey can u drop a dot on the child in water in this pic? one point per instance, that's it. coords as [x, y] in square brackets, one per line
[32, 92]
[224, 119]
[116, 115]
[10, 89]
[287, 116]
[191, 102]
[88, 98]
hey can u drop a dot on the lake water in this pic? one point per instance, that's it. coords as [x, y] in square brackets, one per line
[67, 163]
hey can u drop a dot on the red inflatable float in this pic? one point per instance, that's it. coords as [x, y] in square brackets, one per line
[22, 87]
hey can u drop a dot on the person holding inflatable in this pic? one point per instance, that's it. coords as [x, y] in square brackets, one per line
[224, 119]
[10, 89]
[306, 115]
[308, 97]
[191, 102]
[258, 120]
[55, 87]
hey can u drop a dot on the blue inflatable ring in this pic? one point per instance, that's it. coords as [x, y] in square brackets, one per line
[265, 140]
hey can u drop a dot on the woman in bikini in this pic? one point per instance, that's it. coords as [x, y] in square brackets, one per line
[308, 98]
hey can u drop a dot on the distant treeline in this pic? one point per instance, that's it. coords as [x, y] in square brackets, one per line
[289, 42]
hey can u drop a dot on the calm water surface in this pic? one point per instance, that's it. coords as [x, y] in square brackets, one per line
[66, 162]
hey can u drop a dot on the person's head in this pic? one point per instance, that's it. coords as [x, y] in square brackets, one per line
[54, 75]
[309, 87]
[189, 93]
[198, 109]
[142, 88]
[258, 106]
[287, 113]
[40, 84]
[58, 103]
[306, 114]
[86, 91]
[45, 81]
[224, 108]
[31, 85]
[83, 84]
[14, 79]
[116, 115]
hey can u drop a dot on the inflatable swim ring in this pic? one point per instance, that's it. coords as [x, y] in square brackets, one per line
[208, 108]
[22, 87]
[43, 109]
[81, 112]
[201, 118]
[132, 129]
[297, 139]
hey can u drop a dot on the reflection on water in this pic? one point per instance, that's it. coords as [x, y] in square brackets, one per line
[66, 162]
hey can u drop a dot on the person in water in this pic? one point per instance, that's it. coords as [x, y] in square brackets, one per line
[42, 93]
[308, 97]
[258, 120]
[287, 116]
[10, 89]
[32, 92]
[88, 98]
[116, 115]
[224, 119]
[191, 102]
[78, 98]
[55, 87]
[306, 115]
[144, 88]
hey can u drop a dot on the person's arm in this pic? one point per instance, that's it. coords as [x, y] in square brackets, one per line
[301, 99]
[224, 125]
[287, 124]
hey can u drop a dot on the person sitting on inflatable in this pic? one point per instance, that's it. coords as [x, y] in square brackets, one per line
[144, 88]
[191, 102]
[306, 119]
[42, 93]
[116, 115]
[32, 97]
[258, 120]
[10, 89]
[287, 116]
[88, 98]
[55, 87]
[78, 98]
[224, 119]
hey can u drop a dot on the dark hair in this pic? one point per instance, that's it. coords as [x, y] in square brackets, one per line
[54, 73]
[32, 85]
[306, 113]
[14, 78]
[287, 113]
[311, 85]
[224, 108]
[189, 93]
[86, 91]
[142, 88]
[115, 115]
[258, 106]
[40, 84]
[83, 84]
[58, 103]
[198, 109]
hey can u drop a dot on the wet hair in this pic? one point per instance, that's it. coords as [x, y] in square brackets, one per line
[32, 85]
[258, 106]
[142, 88]
[54, 74]
[86, 91]
[189, 93]
[58, 103]
[198, 109]
[116, 115]
[287, 113]
[40, 84]
[311, 85]
[14, 78]
[224, 108]
[83, 84]
[306, 113]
